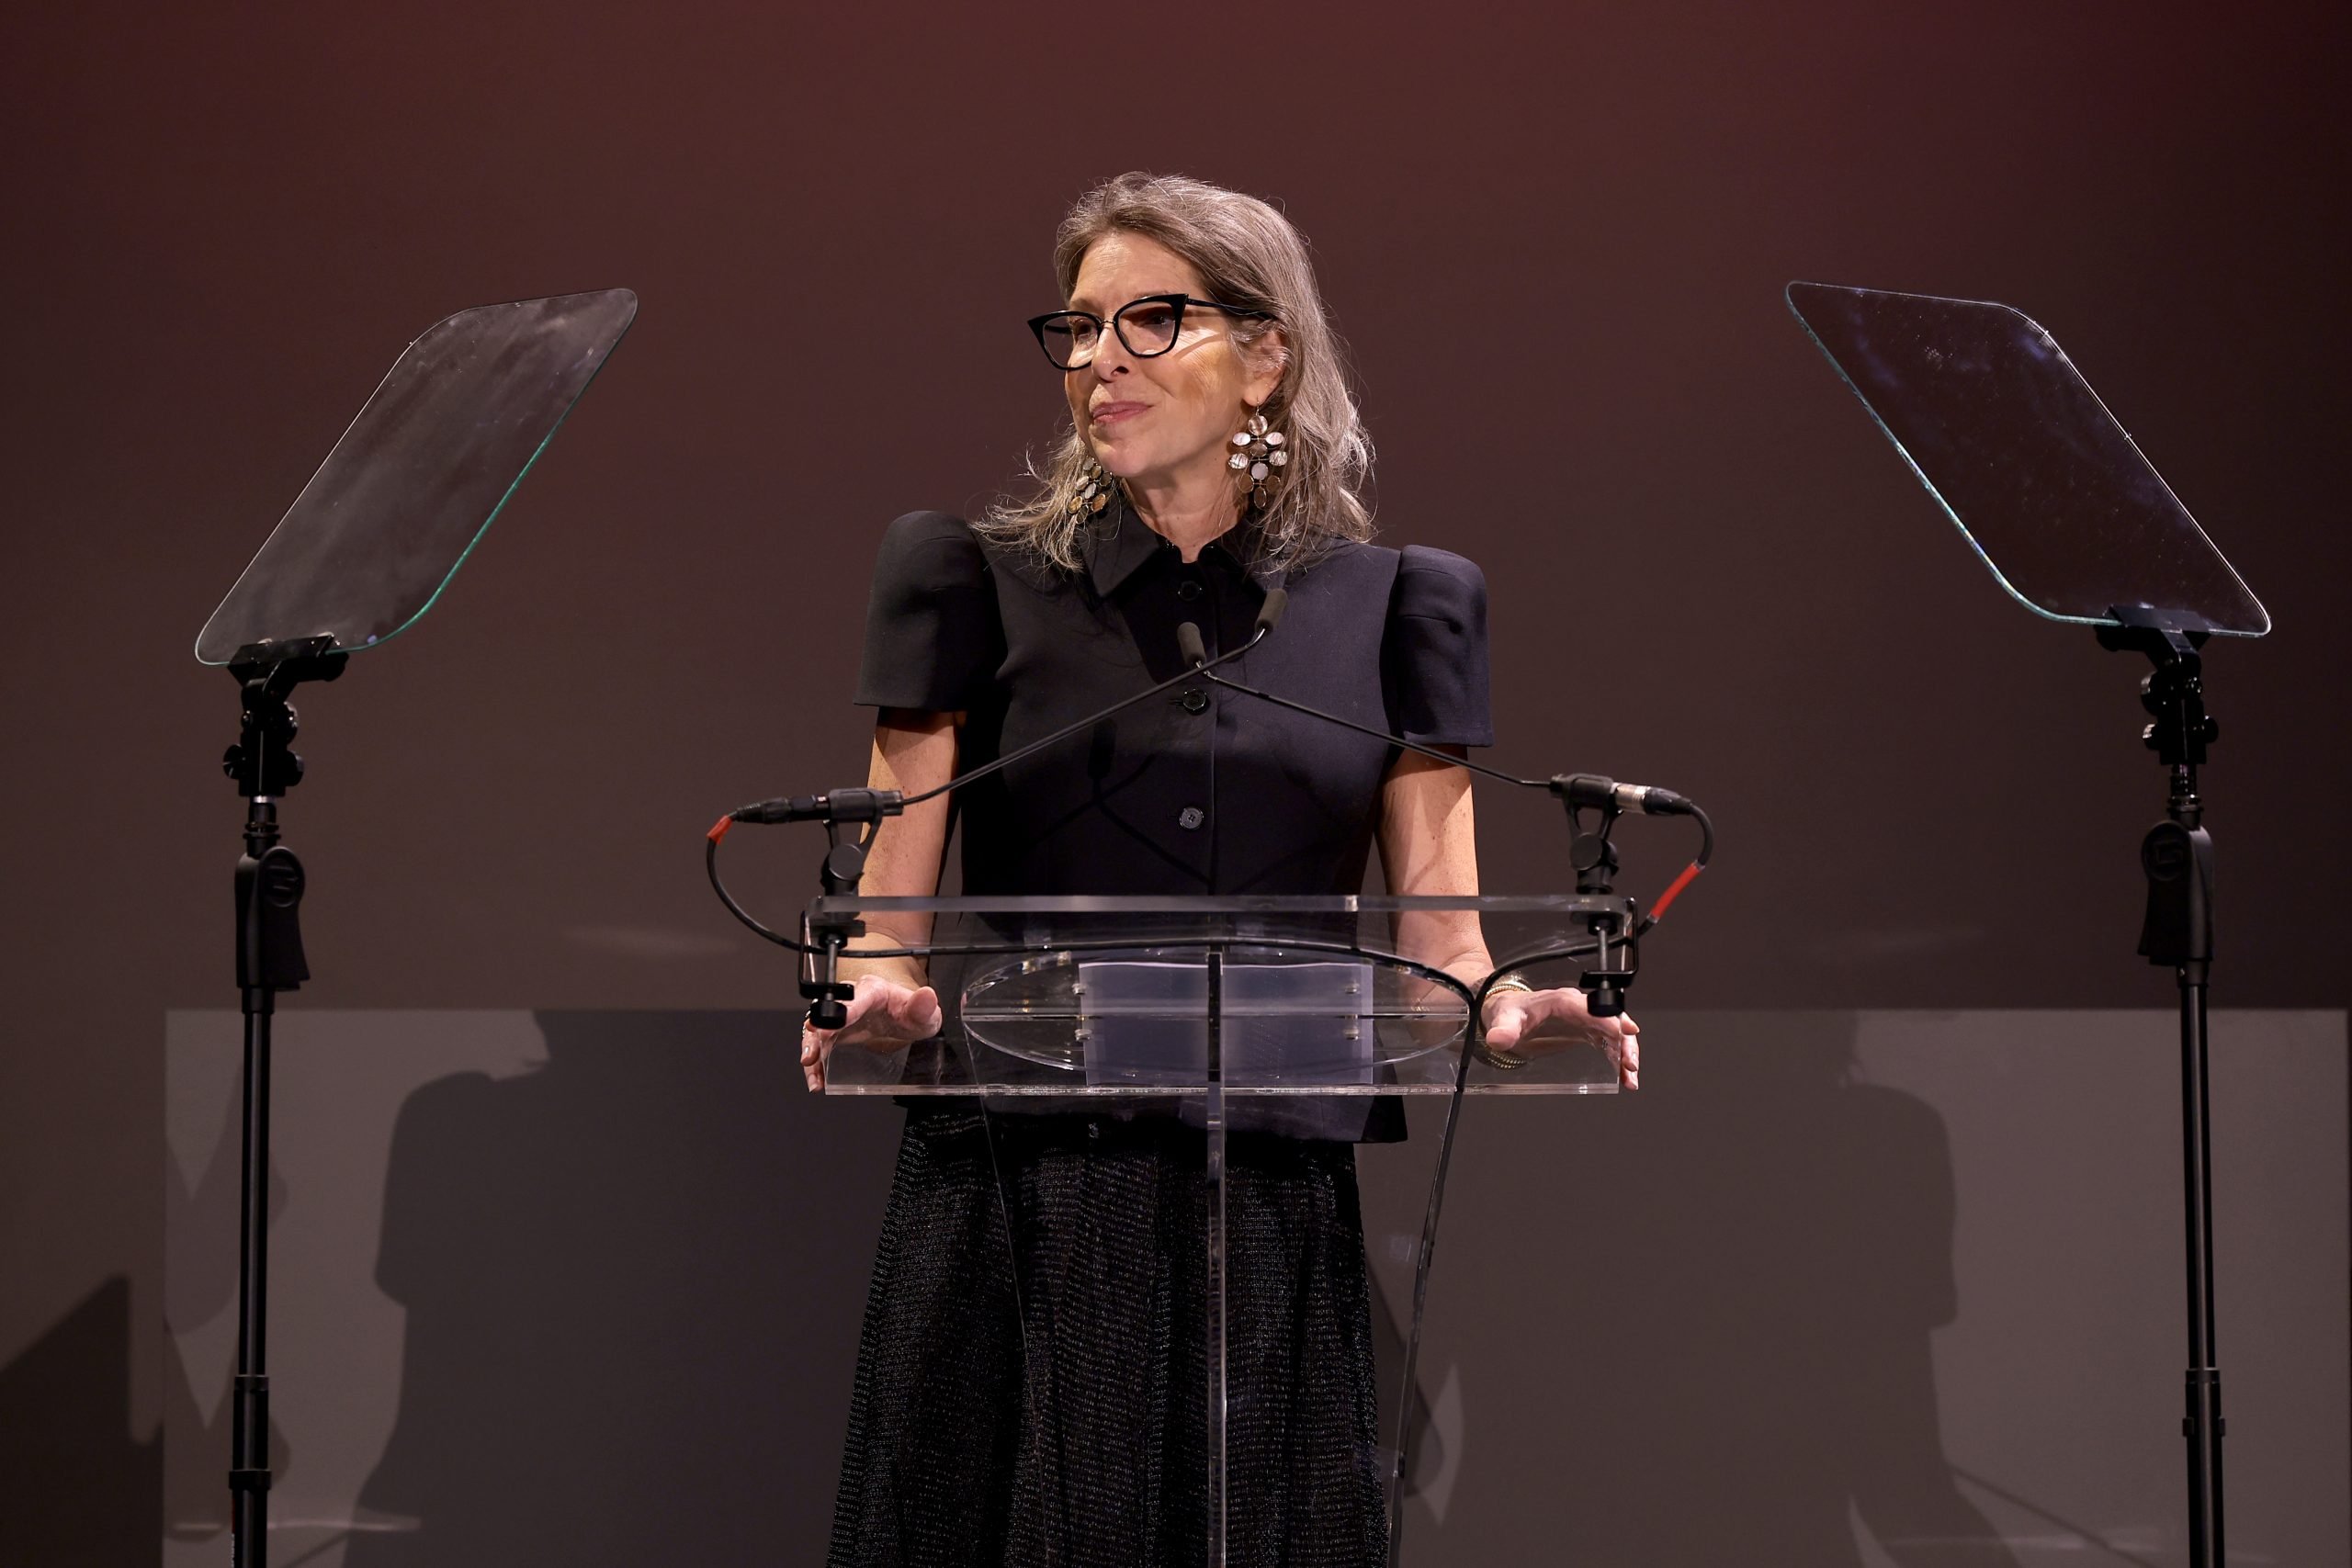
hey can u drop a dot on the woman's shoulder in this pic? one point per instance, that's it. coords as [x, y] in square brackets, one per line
[929, 530]
[1439, 571]
[931, 622]
[1437, 585]
[1416, 580]
[932, 550]
[1416, 560]
[1422, 581]
[1435, 653]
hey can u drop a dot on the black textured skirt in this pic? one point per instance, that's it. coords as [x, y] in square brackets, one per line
[1054, 1411]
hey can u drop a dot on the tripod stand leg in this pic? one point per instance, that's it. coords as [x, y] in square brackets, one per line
[2202, 1425]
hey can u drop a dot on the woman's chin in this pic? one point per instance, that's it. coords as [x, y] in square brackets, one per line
[1119, 459]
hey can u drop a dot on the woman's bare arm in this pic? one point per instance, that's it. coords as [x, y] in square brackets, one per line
[912, 752]
[1429, 844]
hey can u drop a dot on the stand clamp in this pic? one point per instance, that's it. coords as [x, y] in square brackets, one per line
[843, 865]
[2176, 853]
[262, 762]
[269, 878]
[1595, 859]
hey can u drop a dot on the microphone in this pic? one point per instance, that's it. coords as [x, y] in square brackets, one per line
[1591, 789]
[833, 805]
[1270, 615]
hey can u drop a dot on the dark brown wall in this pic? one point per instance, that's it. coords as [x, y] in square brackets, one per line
[1555, 240]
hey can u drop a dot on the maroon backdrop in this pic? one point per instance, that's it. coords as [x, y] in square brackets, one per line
[1554, 239]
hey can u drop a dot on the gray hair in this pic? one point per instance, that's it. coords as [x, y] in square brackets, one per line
[1247, 253]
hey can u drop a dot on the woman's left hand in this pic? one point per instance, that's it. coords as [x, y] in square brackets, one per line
[1534, 1023]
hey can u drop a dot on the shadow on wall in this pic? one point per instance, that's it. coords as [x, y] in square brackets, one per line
[1755, 1251]
[632, 1281]
[76, 1490]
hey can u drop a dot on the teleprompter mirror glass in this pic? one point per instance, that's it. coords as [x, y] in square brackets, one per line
[2017, 448]
[421, 473]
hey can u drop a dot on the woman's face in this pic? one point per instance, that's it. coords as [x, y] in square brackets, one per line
[1173, 413]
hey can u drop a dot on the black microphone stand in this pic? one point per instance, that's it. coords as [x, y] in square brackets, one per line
[2177, 932]
[270, 960]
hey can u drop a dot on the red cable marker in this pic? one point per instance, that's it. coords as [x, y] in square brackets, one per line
[1674, 890]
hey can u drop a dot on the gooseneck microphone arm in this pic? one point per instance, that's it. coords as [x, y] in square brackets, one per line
[844, 862]
[1188, 642]
[1270, 615]
[871, 804]
[826, 938]
[1577, 792]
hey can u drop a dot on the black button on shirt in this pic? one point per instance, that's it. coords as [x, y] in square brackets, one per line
[1279, 802]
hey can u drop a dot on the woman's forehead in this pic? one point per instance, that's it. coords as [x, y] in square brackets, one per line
[1120, 267]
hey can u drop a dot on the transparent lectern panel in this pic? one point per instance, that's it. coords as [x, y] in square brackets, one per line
[1172, 1096]
[1267, 998]
[420, 474]
[1141, 1016]
[2017, 447]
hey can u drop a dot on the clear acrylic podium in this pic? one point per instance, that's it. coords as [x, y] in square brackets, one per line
[1288, 1017]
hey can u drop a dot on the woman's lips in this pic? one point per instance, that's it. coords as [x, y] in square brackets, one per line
[1111, 413]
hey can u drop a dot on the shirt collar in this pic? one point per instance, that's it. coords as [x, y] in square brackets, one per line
[1119, 544]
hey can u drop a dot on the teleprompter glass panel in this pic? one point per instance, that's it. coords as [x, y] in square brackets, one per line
[2005, 432]
[421, 473]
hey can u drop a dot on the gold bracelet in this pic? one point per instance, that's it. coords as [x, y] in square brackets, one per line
[1503, 1061]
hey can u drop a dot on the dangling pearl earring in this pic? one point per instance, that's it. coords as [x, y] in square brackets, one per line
[1262, 453]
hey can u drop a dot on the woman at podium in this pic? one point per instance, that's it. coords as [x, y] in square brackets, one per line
[1214, 451]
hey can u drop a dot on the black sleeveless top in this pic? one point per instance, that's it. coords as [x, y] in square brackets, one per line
[1205, 791]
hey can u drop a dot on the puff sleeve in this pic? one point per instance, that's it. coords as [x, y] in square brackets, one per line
[933, 637]
[1433, 655]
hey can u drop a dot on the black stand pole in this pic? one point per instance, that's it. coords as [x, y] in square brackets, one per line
[2178, 856]
[270, 960]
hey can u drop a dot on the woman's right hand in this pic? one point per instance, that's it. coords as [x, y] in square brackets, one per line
[883, 1016]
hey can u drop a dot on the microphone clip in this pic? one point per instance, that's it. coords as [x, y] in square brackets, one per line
[1590, 851]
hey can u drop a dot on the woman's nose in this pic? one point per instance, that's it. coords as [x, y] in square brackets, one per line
[1111, 357]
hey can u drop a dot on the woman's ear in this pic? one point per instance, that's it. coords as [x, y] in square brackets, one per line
[1267, 356]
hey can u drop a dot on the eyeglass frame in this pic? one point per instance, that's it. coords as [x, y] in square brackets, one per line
[1176, 301]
